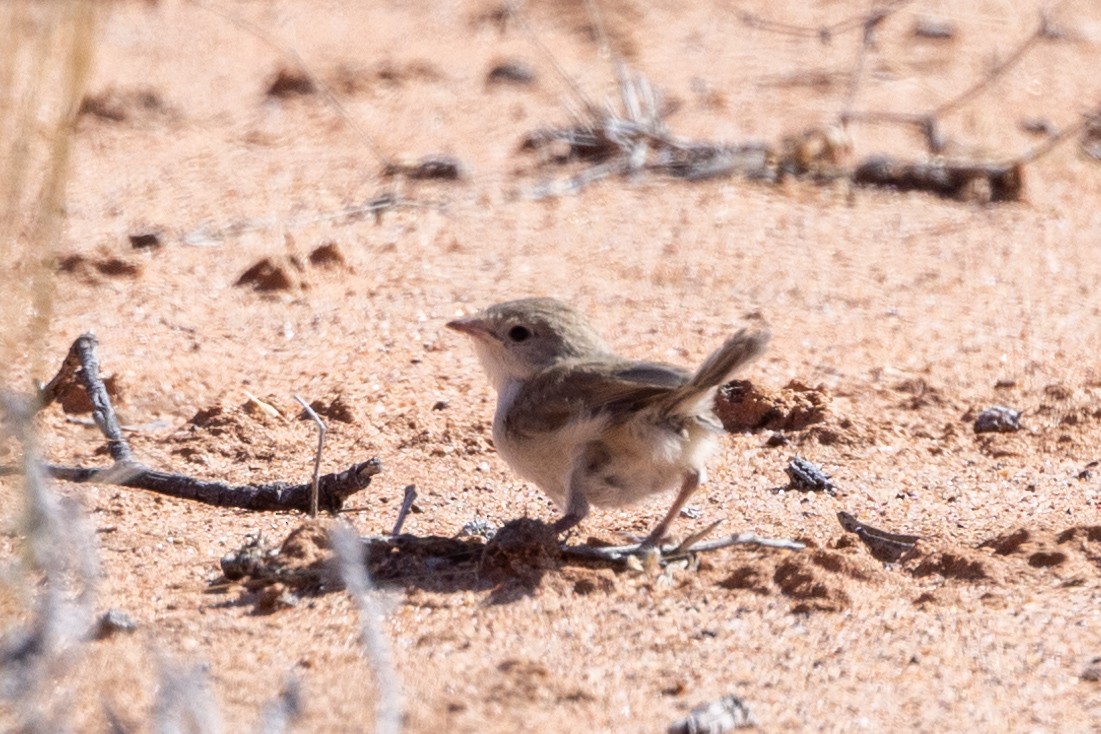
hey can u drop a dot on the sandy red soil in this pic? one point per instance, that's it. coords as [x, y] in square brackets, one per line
[906, 314]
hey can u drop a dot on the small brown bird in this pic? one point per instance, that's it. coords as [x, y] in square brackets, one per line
[589, 427]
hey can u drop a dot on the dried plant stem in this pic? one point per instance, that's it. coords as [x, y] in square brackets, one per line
[44, 65]
[320, 448]
[350, 552]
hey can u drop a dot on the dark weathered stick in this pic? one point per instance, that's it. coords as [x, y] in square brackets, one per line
[81, 362]
[887, 547]
[950, 179]
[333, 489]
[102, 412]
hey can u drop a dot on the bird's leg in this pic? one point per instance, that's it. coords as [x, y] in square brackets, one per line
[577, 505]
[691, 482]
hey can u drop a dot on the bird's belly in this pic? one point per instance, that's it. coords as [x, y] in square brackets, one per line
[646, 463]
[629, 464]
[547, 459]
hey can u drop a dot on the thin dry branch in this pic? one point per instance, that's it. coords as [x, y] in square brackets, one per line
[826, 33]
[83, 364]
[928, 123]
[620, 553]
[406, 506]
[320, 448]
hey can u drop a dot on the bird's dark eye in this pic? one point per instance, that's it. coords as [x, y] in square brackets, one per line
[519, 333]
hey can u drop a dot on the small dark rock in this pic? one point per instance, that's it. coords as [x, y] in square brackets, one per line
[439, 167]
[327, 255]
[777, 438]
[145, 240]
[265, 275]
[479, 527]
[248, 560]
[337, 409]
[998, 419]
[718, 717]
[1038, 126]
[935, 30]
[515, 72]
[288, 83]
[808, 477]
[111, 623]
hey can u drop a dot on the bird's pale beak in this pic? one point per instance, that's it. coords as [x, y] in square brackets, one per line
[470, 326]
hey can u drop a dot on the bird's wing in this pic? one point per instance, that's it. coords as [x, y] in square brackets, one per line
[574, 390]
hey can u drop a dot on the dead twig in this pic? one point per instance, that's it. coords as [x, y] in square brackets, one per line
[331, 489]
[406, 506]
[634, 139]
[928, 123]
[616, 554]
[962, 180]
[320, 447]
[826, 33]
[887, 547]
[61, 564]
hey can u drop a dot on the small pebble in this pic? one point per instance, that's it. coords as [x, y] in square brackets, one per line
[479, 527]
[718, 717]
[998, 419]
[112, 622]
[145, 240]
[511, 72]
[808, 477]
[692, 512]
[935, 30]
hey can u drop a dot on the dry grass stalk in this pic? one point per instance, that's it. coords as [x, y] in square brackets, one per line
[45, 61]
[350, 551]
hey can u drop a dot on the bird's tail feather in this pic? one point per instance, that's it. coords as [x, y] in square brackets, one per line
[735, 352]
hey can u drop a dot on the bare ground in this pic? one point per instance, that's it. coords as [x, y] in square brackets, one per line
[906, 315]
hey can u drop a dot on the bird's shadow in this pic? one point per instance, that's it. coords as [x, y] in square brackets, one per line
[510, 565]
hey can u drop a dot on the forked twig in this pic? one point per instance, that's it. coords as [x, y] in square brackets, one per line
[82, 362]
[928, 123]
